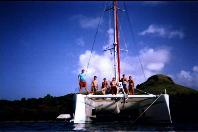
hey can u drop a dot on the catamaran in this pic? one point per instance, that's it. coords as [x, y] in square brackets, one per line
[146, 107]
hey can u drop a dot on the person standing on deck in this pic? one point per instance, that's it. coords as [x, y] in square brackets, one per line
[113, 86]
[82, 81]
[124, 83]
[94, 85]
[105, 86]
[131, 86]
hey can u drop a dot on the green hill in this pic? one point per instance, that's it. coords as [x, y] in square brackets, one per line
[158, 83]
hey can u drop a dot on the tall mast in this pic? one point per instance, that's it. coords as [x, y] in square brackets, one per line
[116, 43]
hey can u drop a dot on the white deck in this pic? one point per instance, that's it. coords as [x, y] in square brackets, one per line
[119, 96]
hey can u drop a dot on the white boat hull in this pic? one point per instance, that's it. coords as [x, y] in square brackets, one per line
[151, 108]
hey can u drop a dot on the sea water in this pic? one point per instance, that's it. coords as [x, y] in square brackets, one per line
[101, 126]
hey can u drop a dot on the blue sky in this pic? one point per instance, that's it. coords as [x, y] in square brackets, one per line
[44, 45]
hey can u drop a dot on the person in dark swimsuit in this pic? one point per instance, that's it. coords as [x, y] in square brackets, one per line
[124, 83]
[113, 86]
[105, 87]
[131, 86]
[94, 85]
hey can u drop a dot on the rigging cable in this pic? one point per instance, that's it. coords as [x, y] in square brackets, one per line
[125, 44]
[146, 109]
[109, 29]
[133, 38]
[95, 36]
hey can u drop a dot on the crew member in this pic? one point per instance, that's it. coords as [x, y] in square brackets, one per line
[94, 85]
[82, 81]
[131, 86]
[105, 86]
[113, 86]
[124, 83]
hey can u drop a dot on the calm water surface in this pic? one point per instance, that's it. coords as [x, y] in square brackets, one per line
[105, 126]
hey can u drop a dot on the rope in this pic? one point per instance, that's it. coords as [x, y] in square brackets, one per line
[120, 27]
[146, 109]
[95, 37]
[133, 38]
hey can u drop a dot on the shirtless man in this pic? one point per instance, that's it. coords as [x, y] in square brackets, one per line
[94, 85]
[105, 86]
[113, 86]
[124, 83]
[131, 86]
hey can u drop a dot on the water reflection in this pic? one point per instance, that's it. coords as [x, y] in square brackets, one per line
[120, 126]
[97, 126]
[80, 127]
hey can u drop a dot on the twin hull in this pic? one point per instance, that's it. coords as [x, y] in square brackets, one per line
[149, 108]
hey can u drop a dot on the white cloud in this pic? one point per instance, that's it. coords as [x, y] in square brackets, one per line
[80, 41]
[176, 33]
[155, 66]
[155, 59]
[87, 22]
[110, 34]
[153, 29]
[188, 78]
[185, 75]
[161, 31]
[101, 65]
[195, 68]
